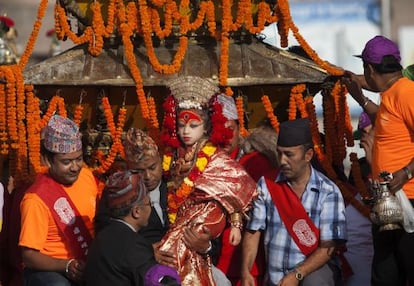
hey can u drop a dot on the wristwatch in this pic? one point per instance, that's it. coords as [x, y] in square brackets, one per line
[298, 275]
[408, 172]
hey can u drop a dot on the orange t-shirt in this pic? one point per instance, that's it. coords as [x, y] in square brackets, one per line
[39, 230]
[394, 131]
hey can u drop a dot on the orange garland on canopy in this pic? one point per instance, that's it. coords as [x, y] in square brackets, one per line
[33, 35]
[117, 147]
[270, 113]
[4, 148]
[313, 122]
[33, 135]
[144, 23]
[240, 115]
[153, 112]
[296, 102]
[22, 166]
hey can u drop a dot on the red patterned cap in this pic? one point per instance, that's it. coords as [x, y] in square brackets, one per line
[61, 135]
[124, 188]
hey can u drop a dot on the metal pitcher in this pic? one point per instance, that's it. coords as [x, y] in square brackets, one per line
[386, 210]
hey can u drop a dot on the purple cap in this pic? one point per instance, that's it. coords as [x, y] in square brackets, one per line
[378, 47]
[155, 274]
[363, 121]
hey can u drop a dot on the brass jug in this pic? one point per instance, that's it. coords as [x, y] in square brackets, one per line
[386, 210]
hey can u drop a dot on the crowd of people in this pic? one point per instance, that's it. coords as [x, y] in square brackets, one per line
[213, 208]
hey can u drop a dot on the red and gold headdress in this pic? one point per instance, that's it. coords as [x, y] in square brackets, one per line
[191, 92]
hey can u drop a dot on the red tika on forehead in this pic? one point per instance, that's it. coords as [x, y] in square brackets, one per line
[189, 115]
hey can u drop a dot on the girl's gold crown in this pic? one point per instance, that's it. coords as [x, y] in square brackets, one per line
[192, 92]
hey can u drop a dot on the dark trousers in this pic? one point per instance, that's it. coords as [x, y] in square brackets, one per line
[45, 278]
[393, 262]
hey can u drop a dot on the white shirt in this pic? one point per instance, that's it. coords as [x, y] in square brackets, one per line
[155, 200]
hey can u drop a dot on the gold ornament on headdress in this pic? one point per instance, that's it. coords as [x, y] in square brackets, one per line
[192, 92]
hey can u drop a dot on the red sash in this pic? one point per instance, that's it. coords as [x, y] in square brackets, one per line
[66, 215]
[299, 225]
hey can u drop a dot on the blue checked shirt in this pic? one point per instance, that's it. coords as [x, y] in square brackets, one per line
[324, 204]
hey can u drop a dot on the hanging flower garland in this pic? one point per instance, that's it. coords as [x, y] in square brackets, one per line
[109, 116]
[4, 147]
[318, 145]
[300, 103]
[270, 113]
[77, 114]
[312, 54]
[33, 36]
[33, 135]
[285, 20]
[11, 106]
[292, 107]
[22, 163]
[177, 196]
[116, 146]
[240, 115]
[49, 112]
[153, 112]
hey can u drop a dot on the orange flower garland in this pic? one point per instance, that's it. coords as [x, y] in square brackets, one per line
[177, 196]
[33, 135]
[292, 107]
[153, 113]
[77, 114]
[145, 21]
[313, 122]
[33, 36]
[116, 137]
[49, 112]
[312, 54]
[240, 115]
[270, 113]
[22, 163]
[109, 116]
[284, 22]
[4, 148]
[11, 106]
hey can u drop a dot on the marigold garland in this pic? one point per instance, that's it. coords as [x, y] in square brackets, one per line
[4, 148]
[109, 116]
[33, 36]
[77, 114]
[177, 196]
[11, 106]
[33, 135]
[240, 115]
[292, 107]
[318, 145]
[141, 19]
[270, 113]
[153, 113]
[116, 147]
[22, 167]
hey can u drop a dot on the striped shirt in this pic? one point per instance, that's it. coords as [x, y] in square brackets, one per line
[324, 204]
